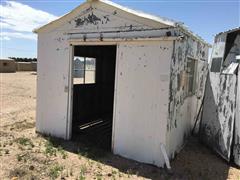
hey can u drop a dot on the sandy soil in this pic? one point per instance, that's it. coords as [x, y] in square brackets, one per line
[27, 155]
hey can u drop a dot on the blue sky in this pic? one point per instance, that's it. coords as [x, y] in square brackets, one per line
[18, 18]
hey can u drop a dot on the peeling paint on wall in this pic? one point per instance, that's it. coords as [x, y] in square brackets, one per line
[219, 114]
[179, 77]
[222, 90]
[90, 19]
[183, 107]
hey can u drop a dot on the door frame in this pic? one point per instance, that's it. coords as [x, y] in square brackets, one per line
[72, 44]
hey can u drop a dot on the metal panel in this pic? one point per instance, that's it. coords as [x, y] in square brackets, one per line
[184, 105]
[219, 113]
[236, 147]
[141, 100]
[53, 84]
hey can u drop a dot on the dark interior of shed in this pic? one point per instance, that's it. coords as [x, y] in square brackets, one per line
[93, 94]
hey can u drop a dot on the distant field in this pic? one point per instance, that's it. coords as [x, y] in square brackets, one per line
[89, 78]
[27, 155]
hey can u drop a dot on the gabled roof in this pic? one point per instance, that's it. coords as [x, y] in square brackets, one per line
[229, 31]
[157, 19]
[161, 20]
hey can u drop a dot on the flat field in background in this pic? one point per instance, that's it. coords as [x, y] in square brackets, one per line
[27, 155]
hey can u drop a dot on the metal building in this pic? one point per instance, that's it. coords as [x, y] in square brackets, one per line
[142, 85]
[220, 126]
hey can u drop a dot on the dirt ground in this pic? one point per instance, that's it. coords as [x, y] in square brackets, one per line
[27, 155]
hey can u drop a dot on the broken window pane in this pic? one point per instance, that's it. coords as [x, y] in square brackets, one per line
[216, 64]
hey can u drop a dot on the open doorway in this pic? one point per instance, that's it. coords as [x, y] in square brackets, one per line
[93, 94]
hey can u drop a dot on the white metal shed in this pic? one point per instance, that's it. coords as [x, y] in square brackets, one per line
[142, 73]
[220, 125]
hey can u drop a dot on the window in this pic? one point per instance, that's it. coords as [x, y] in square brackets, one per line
[84, 70]
[192, 75]
[4, 64]
[216, 65]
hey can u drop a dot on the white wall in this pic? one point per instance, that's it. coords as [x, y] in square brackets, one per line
[141, 100]
[52, 84]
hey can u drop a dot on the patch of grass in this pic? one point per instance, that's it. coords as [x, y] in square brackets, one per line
[24, 125]
[19, 157]
[62, 152]
[129, 172]
[99, 176]
[25, 141]
[119, 174]
[90, 163]
[81, 177]
[91, 152]
[55, 171]
[114, 173]
[83, 170]
[50, 149]
[22, 157]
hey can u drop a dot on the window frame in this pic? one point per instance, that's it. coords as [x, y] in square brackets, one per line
[192, 91]
[84, 70]
[216, 65]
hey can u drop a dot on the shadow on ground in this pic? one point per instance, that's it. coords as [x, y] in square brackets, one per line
[194, 162]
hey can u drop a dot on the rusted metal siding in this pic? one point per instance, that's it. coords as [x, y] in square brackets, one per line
[183, 107]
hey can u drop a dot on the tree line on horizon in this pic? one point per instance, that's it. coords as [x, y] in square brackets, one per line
[18, 59]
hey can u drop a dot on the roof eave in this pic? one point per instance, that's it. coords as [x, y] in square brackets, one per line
[37, 30]
[229, 31]
[193, 35]
[158, 19]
